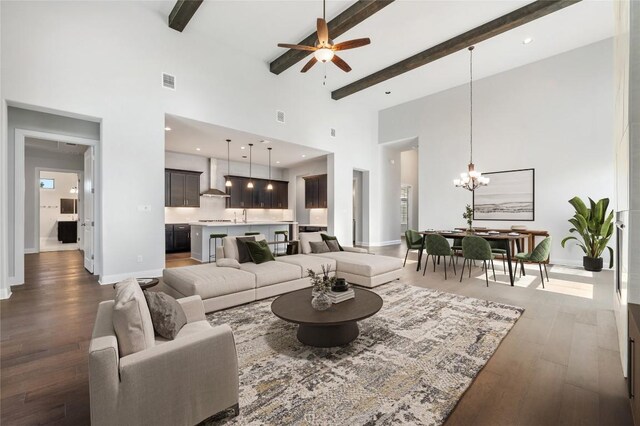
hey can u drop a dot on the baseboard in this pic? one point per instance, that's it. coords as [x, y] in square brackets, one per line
[115, 278]
[565, 262]
[30, 251]
[5, 293]
[383, 243]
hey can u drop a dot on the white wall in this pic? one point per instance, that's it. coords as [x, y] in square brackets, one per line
[113, 72]
[555, 115]
[50, 204]
[39, 159]
[409, 176]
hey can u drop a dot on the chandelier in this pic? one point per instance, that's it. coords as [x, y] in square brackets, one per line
[471, 179]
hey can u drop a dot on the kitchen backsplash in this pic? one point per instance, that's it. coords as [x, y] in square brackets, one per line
[213, 208]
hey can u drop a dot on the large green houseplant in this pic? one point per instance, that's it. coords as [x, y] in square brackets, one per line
[595, 228]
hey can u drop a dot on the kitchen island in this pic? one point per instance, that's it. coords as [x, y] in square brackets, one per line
[201, 231]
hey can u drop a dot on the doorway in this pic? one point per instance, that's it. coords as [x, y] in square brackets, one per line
[359, 209]
[57, 211]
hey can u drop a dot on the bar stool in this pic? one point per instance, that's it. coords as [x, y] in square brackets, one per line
[215, 238]
[275, 238]
[251, 233]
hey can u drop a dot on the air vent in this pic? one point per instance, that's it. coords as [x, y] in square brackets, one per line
[333, 133]
[280, 116]
[168, 81]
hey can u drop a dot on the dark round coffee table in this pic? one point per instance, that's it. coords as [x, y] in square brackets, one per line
[336, 326]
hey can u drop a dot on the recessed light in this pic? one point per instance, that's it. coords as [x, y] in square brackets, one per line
[304, 155]
[527, 40]
[242, 147]
[277, 162]
[264, 141]
[168, 129]
[388, 92]
[197, 149]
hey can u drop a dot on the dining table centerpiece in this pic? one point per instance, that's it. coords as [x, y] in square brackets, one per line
[468, 216]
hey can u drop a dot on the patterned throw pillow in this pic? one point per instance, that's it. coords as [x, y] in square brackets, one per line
[319, 247]
[259, 251]
[167, 315]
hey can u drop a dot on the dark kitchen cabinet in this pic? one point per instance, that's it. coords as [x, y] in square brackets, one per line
[177, 238]
[315, 192]
[242, 197]
[182, 188]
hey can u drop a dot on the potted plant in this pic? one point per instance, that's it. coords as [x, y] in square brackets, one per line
[468, 215]
[595, 228]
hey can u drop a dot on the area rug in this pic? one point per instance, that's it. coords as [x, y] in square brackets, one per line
[410, 365]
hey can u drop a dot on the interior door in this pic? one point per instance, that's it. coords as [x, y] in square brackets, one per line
[88, 222]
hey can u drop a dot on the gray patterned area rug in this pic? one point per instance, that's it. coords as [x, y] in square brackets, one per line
[411, 363]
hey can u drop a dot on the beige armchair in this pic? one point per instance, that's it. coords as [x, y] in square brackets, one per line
[179, 382]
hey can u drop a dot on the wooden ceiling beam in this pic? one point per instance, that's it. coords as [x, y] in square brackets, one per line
[339, 25]
[524, 15]
[182, 13]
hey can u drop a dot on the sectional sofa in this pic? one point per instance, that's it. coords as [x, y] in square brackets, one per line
[224, 287]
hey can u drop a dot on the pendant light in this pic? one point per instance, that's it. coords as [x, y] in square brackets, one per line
[250, 184]
[228, 183]
[471, 179]
[270, 186]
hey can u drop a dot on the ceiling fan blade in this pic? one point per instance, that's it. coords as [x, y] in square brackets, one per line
[340, 63]
[309, 64]
[323, 31]
[352, 44]
[296, 46]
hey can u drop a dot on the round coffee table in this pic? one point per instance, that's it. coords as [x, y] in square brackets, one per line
[336, 326]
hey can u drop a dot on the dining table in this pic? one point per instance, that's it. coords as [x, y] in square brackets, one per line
[503, 237]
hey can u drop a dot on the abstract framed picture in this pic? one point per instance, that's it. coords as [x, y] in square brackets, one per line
[510, 195]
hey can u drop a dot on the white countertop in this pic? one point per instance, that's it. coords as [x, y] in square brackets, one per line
[240, 223]
[313, 224]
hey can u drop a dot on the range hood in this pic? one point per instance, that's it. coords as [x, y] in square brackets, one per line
[213, 191]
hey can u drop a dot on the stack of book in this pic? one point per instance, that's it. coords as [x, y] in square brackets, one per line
[337, 297]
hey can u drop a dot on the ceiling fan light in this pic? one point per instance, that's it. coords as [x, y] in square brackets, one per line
[323, 55]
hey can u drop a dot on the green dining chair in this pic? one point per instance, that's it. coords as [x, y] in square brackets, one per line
[436, 245]
[497, 249]
[414, 242]
[477, 248]
[539, 255]
[457, 247]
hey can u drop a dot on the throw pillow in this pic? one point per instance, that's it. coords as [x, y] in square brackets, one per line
[260, 251]
[131, 318]
[326, 237]
[228, 263]
[333, 245]
[319, 247]
[243, 251]
[167, 315]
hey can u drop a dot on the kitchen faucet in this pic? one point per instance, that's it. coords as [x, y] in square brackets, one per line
[244, 215]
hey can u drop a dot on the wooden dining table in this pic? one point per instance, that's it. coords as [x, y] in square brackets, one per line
[504, 237]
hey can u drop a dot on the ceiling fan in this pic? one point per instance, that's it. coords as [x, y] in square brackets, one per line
[324, 50]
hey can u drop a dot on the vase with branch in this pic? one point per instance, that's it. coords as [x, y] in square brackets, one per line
[321, 284]
[468, 216]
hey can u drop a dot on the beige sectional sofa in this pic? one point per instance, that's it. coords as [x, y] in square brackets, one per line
[224, 287]
[356, 265]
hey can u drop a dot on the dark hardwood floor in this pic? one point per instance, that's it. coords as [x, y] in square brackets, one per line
[46, 327]
[559, 365]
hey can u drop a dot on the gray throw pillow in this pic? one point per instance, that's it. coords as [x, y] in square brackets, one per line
[167, 315]
[333, 245]
[243, 251]
[228, 263]
[319, 247]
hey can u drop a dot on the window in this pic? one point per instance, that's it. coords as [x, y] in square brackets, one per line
[404, 205]
[47, 183]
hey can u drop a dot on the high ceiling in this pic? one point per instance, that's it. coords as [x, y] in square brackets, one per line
[399, 31]
[209, 140]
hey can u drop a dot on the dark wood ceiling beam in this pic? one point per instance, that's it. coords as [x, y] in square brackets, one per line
[182, 13]
[511, 20]
[339, 25]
